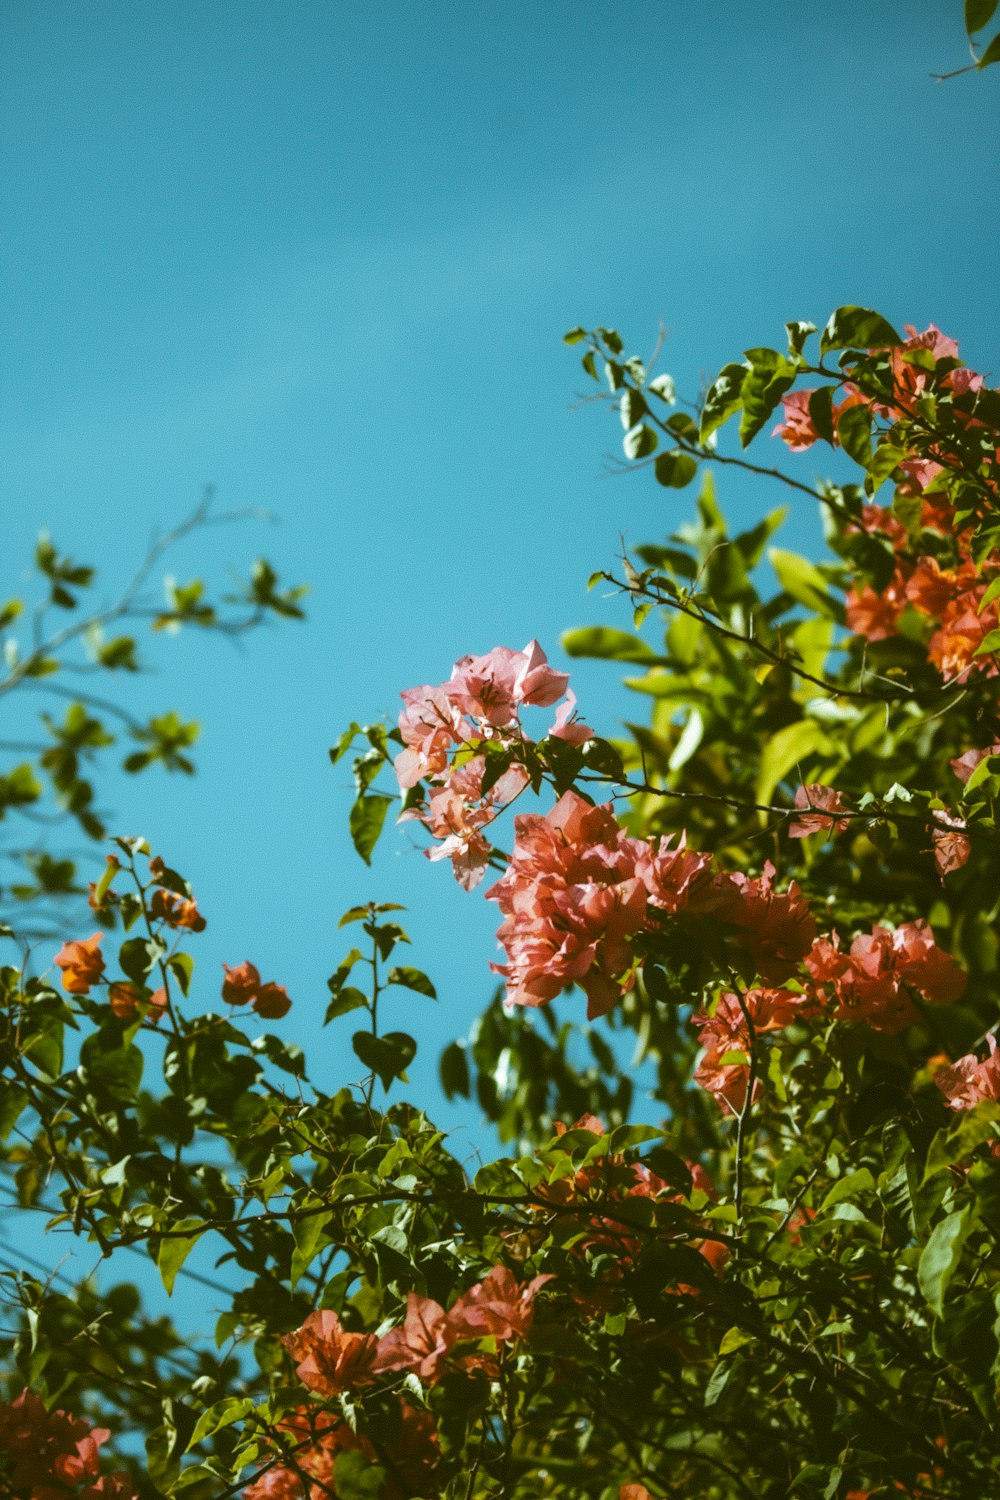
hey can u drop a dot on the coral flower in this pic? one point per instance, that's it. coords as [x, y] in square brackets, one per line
[81, 963]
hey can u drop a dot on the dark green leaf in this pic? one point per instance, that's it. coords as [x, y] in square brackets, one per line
[366, 822]
[857, 328]
[388, 1056]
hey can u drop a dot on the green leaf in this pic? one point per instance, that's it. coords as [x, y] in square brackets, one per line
[940, 1256]
[992, 53]
[978, 13]
[851, 1186]
[137, 957]
[412, 979]
[388, 1056]
[110, 1065]
[784, 750]
[857, 328]
[454, 1070]
[854, 429]
[357, 1477]
[806, 584]
[222, 1414]
[723, 400]
[675, 469]
[181, 965]
[691, 738]
[366, 822]
[992, 592]
[762, 390]
[640, 442]
[607, 644]
[990, 642]
[13, 1100]
[174, 1251]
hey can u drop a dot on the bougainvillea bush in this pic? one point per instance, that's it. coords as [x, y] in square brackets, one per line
[781, 880]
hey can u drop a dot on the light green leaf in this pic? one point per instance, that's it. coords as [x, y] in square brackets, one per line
[806, 584]
[940, 1256]
[784, 750]
[607, 644]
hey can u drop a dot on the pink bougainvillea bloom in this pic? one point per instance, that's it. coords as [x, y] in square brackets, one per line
[876, 980]
[968, 1081]
[797, 429]
[674, 875]
[81, 963]
[329, 1359]
[725, 1032]
[485, 687]
[168, 907]
[572, 899]
[240, 984]
[498, 1306]
[537, 682]
[421, 1343]
[777, 927]
[634, 1492]
[431, 725]
[318, 1437]
[964, 765]
[271, 1002]
[44, 1454]
[821, 801]
[124, 1000]
[952, 846]
[872, 615]
[565, 727]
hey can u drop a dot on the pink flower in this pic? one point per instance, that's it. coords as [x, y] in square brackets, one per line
[81, 963]
[566, 727]
[421, 1343]
[797, 429]
[777, 927]
[431, 725]
[572, 899]
[271, 1002]
[964, 765]
[876, 979]
[328, 1359]
[240, 984]
[952, 846]
[674, 877]
[828, 800]
[726, 1032]
[968, 1081]
[536, 681]
[498, 1306]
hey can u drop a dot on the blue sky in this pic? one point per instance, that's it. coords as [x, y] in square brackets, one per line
[322, 257]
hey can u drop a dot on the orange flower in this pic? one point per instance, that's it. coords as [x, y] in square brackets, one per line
[329, 1359]
[271, 1002]
[175, 911]
[124, 1000]
[241, 984]
[81, 963]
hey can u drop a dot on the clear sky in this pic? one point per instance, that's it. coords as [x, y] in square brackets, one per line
[322, 255]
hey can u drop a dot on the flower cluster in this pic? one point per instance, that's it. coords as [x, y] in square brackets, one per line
[443, 729]
[572, 897]
[728, 1035]
[49, 1455]
[878, 980]
[242, 986]
[968, 1081]
[952, 597]
[882, 973]
[331, 1359]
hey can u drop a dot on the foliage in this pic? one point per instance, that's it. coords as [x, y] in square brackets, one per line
[778, 886]
[52, 641]
[783, 884]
